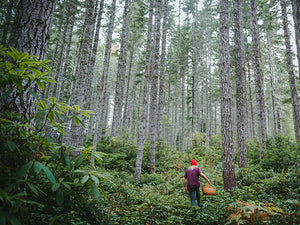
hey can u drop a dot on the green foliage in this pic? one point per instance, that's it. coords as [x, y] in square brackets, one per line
[281, 154]
[37, 177]
[159, 198]
[40, 184]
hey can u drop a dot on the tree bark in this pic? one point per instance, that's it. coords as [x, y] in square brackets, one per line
[251, 102]
[162, 75]
[127, 109]
[119, 94]
[30, 34]
[176, 83]
[241, 89]
[229, 177]
[82, 92]
[195, 97]
[154, 86]
[100, 112]
[32, 25]
[144, 116]
[296, 16]
[289, 58]
[259, 82]
[68, 50]
[271, 66]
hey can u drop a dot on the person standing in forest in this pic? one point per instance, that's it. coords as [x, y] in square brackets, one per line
[193, 184]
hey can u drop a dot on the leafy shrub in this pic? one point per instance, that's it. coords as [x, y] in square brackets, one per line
[37, 176]
[281, 153]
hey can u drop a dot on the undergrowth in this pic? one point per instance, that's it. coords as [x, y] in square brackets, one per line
[40, 184]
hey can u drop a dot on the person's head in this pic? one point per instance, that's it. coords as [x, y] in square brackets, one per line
[193, 163]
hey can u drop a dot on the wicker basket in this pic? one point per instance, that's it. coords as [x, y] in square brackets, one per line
[208, 190]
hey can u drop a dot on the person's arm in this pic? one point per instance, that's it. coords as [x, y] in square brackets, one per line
[203, 175]
[183, 182]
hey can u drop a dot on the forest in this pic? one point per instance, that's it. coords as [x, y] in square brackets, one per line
[104, 103]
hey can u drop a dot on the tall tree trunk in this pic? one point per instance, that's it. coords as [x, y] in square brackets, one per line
[68, 50]
[259, 82]
[251, 102]
[119, 95]
[82, 92]
[162, 75]
[154, 86]
[60, 60]
[103, 82]
[241, 89]
[143, 122]
[32, 25]
[126, 114]
[207, 122]
[296, 15]
[176, 84]
[289, 58]
[270, 54]
[195, 98]
[183, 86]
[229, 177]
[30, 34]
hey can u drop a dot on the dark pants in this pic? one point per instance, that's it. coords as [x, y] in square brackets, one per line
[195, 195]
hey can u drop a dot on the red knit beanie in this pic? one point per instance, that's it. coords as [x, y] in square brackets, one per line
[193, 162]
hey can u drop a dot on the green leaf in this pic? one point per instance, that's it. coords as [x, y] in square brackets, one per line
[53, 100]
[40, 84]
[95, 190]
[67, 160]
[85, 179]
[43, 104]
[77, 120]
[85, 114]
[66, 106]
[33, 203]
[98, 156]
[66, 185]
[32, 93]
[24, 169]
[61, 130]
[87, 111]
[37, 167]
[49, 174]
[33, 189]
[55, 187]
[12, 146]
[51, 116]
[77, 108]
[61, 108]
[95, 179]
[18, 84]
[59, 197]
[40, 113]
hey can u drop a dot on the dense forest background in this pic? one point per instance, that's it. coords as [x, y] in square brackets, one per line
[104, 104]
